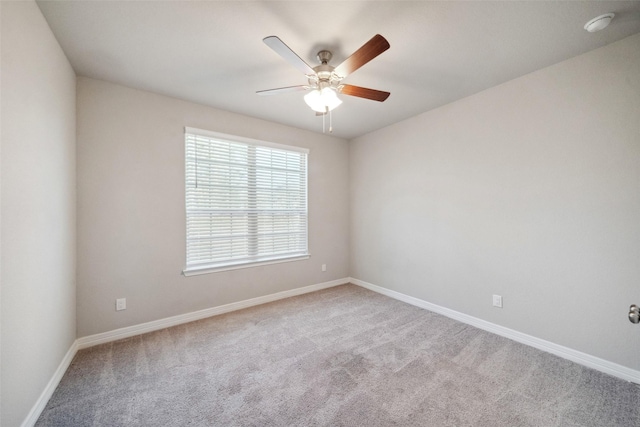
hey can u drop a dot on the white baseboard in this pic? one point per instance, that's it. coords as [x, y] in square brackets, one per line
[602, 365]
[579, 357]
[156, 325]
[46, 394]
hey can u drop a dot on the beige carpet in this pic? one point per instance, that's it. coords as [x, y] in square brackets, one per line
[344, 356]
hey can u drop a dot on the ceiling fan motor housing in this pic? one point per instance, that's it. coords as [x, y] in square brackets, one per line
[325, 76]
[324, 56]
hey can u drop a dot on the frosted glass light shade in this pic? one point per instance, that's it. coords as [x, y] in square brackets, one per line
[322, 100]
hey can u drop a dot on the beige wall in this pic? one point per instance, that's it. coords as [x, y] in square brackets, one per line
[529, 190]
[37, 208]
[131, 214]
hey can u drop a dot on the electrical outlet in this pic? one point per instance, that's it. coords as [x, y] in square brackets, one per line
[324, 267]
[121, 304]
[497, 301]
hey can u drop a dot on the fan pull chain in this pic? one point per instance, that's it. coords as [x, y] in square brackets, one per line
[323, 121]
[324, 127]
[330, 126]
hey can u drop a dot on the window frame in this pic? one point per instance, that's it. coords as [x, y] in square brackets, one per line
[229, 263]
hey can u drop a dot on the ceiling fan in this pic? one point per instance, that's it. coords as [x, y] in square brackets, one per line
[324, 80]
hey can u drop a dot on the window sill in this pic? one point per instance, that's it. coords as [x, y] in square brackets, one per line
[196, 271]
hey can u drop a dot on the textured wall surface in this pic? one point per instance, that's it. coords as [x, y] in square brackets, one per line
[38, 208]
[131, 212]
[529, 190]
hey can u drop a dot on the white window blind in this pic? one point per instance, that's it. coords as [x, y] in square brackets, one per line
[246, 201]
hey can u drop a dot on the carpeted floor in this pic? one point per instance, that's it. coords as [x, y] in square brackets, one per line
[344, 356]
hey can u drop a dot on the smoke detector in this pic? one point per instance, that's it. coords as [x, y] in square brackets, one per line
[599, 22]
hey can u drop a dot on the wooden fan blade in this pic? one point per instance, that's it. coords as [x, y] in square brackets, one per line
[290, 56]
[282, 90]
[366, 53]
[363, 92]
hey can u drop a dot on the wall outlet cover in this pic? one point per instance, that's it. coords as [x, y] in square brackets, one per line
[497, 301]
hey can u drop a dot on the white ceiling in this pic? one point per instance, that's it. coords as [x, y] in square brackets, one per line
[211, 52]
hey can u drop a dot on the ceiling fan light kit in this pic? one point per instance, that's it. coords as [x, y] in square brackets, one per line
[323, 100]
[324, 80]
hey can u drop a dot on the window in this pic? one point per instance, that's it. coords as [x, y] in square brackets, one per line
[246, 202]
